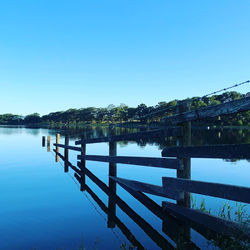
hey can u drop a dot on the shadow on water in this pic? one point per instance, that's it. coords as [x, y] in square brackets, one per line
[199, 136]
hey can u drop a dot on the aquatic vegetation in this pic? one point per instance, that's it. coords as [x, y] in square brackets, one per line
[237, 213]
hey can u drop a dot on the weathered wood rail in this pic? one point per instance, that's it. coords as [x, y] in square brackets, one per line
[205, 224]
[68, 147]
[237, 151]
[150, 188]
[170, 225]
[230, 192]
[141, 161]
[227, 108]
[177, 189]
[214, 223]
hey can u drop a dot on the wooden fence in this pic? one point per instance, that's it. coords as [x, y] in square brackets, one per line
[177, 189]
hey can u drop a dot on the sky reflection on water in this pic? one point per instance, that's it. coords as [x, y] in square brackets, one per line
[42, 207]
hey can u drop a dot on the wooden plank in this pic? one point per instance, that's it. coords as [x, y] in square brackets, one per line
[142, 161]
[158, 211]
[171, 131]
[68, 162]
[145, 200]
[150, 204]
[230, 192]
[150, 188]
[174, 227]
[210, 111]
[68, 147]
[171, 226]
[234, 151]
[214, 223]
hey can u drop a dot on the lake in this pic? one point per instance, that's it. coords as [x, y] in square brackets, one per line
[43, 208]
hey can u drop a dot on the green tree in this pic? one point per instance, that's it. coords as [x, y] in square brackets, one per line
[32, 118]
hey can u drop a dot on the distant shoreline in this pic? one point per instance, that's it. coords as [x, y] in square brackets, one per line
[121, 125]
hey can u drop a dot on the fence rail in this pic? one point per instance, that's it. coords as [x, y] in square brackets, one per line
[68, 147]
[214, 223]
[149, 188]
[141, 161]
[230, 192]
[236, 151]
[227, 108]
[177, 189]
[202, 221]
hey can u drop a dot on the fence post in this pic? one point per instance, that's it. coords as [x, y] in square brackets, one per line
[66, 155]
[43, 141]
[112, 184]
[185, 140]
[83, 166]
[57, 148]
[48, 143]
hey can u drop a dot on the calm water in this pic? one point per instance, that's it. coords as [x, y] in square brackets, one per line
[41, 207]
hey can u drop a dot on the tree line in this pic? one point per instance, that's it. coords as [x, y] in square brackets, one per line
[123, 113]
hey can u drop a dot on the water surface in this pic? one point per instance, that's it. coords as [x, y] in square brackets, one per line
[43, 208]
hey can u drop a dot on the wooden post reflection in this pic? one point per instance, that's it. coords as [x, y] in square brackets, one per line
[173, 228]
[43, 141]
[57, 148]
[48, 143]
[83, 165]
[66, 155]
[112, 184]
[219, 134]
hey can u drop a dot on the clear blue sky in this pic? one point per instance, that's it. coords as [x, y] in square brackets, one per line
[61, 54]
